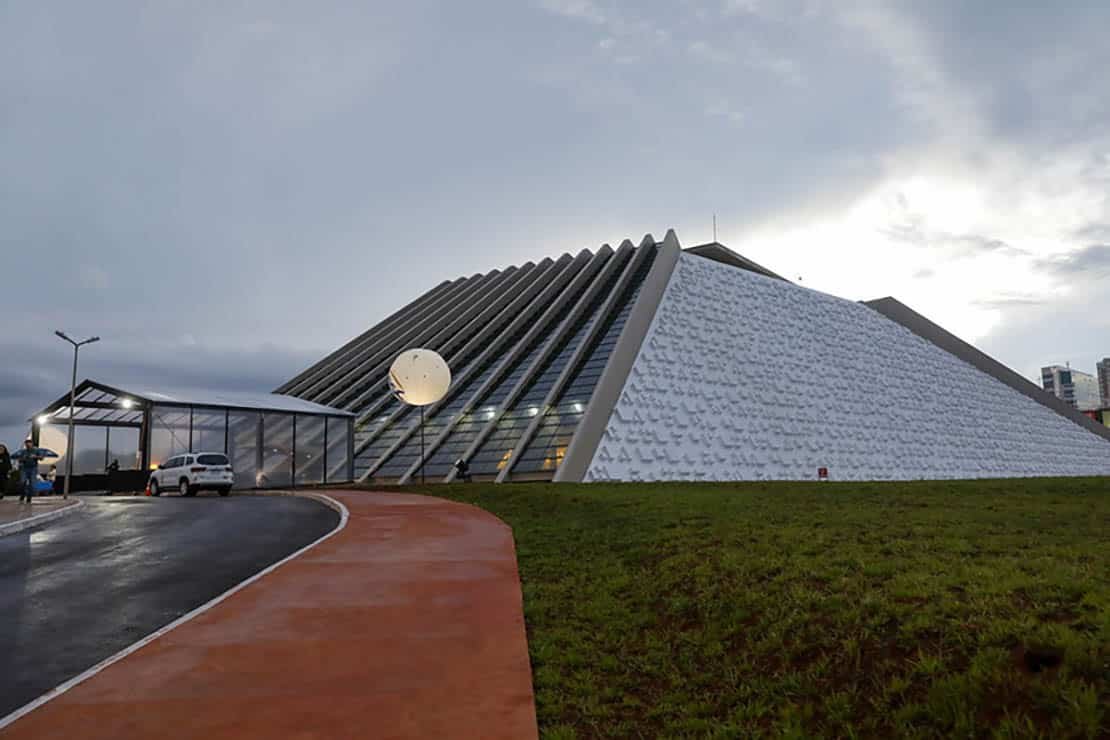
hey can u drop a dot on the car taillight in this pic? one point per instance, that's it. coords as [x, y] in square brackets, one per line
[197, 469]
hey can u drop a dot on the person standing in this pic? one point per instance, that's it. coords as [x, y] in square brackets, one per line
[29, 458]
[5, 470]
[462, 470]
[113, 474]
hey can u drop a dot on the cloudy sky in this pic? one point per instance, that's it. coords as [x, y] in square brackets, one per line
[225, 191]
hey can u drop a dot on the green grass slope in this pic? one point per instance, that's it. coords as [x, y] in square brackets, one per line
[924, 609]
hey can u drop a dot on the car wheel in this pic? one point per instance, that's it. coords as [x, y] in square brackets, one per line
[154, 490]
[186, 489]
[225, 491]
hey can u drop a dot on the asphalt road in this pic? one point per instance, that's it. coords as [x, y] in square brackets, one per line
[79, 589]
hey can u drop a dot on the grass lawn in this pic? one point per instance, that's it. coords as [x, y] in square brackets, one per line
[924, 609]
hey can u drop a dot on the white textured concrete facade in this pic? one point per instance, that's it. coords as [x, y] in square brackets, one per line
[744, 377]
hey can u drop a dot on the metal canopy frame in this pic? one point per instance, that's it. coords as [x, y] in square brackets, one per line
[98, 406]
[141, 400]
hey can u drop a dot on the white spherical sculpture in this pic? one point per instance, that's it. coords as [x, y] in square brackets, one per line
[419, 377]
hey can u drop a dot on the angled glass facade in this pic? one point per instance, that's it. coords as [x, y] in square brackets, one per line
[546, 449]
[526, 346]
[494, 454]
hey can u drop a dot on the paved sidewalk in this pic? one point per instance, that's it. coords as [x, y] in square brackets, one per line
[406, 624]
[13, 511]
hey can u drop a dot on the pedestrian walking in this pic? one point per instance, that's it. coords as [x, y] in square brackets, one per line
[5, 470]
[29, 458]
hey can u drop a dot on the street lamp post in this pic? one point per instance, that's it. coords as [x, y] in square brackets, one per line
[72, 405]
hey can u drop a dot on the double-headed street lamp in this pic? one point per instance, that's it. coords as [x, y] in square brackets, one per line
[72, 404]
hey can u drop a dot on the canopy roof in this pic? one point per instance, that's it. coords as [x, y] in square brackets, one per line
[99, 403]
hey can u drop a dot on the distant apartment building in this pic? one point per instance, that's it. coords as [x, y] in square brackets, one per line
[1104, 382]
[1073, 387]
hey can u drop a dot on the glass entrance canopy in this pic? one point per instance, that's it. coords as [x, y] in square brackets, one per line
[272, 440]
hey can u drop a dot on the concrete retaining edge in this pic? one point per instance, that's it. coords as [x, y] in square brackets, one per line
[37, 519]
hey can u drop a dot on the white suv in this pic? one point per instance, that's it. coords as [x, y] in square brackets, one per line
[191, 473]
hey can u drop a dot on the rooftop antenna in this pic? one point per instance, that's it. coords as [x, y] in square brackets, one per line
[714, 227]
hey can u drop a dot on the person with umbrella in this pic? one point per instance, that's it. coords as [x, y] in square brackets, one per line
[29, 458]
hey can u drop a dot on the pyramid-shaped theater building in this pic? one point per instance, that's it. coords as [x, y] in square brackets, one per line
[654, 362]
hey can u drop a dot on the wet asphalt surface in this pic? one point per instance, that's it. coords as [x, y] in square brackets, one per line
[79, 589]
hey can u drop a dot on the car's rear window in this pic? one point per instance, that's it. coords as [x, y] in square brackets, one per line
[212, 459]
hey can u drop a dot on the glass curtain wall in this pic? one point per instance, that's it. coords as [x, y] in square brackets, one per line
[91, 446]
[277, 450]
[339, 461]
[95, 447]
[265, 454]
[265, 449]
[309, 458]
[209, 430]
[123, 447]
[169, 433]
[244, 449]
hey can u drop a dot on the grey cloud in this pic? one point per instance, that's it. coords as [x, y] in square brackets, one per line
[1089, 262]
[583, 10]
[18, 386]
[1035, 71]
[976, 243]
[953, 246]
[1095, 232]
[1010, 301]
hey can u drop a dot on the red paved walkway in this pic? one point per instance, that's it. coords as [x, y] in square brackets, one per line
[406, 624]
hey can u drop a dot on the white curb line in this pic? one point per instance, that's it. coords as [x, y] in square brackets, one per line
[64, 687]
[37, 519]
